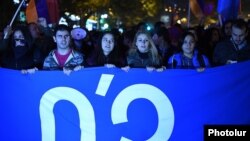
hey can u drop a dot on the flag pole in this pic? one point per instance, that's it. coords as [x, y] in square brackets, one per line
[188, 16]
[18, 9]
[220, 20]
[14, 17]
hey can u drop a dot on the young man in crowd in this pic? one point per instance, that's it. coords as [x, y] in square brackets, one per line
[236, 49]
[63, 57]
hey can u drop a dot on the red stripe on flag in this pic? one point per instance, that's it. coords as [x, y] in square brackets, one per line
[53, 10]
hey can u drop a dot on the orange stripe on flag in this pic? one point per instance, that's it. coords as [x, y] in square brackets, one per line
[196, 9]
[31, 12]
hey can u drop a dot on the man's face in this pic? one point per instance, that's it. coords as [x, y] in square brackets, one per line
[238, 35]
[62, 39]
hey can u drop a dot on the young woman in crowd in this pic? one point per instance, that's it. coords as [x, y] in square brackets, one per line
[18, 53]
[107, 52]
[189, 57]
[143, 53]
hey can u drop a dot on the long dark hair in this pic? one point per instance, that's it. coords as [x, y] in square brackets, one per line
[199, 55]
[113, 57]
[26, 34]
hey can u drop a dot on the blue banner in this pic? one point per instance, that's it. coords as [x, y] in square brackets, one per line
[100, 104]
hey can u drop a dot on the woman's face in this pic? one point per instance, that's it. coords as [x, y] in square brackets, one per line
[188, 45]
[19, 38]
[142, 43]
[108, 43]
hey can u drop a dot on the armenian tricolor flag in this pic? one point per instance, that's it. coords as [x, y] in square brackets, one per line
[42, 8]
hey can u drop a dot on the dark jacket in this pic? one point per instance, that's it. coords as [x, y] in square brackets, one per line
[226, 50]
[17, 57]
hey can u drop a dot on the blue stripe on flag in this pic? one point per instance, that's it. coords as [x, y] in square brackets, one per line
[228, 9]
[42, 9]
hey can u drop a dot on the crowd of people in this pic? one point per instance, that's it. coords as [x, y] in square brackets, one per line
[35, 46]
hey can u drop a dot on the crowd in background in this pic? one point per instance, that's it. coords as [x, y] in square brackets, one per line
[36, 46]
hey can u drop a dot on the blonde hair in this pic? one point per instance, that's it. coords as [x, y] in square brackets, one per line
[153, 52]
